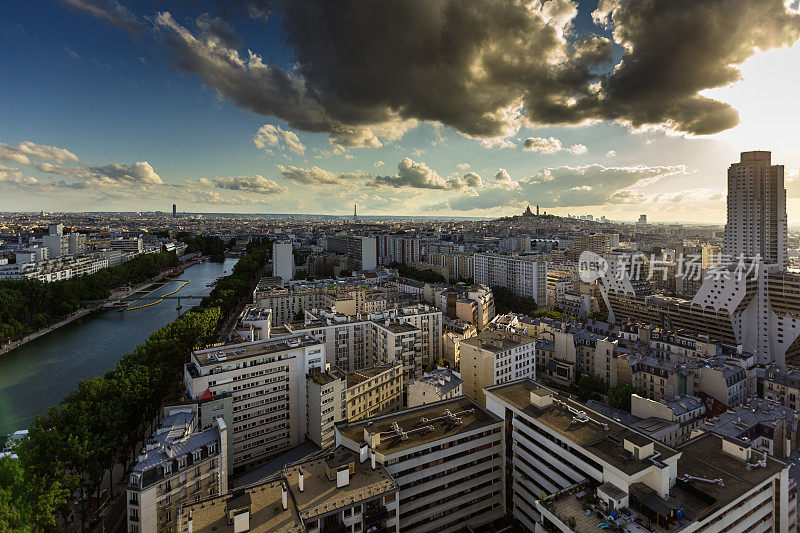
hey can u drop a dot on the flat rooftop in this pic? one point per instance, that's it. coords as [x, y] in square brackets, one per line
[498, 340]
[703, 457]
[320, 494]
[606, 444]
[359, 376]
[266, 511]
[472, 416]
[244, 350]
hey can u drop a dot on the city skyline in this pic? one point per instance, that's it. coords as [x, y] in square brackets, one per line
[127, 107]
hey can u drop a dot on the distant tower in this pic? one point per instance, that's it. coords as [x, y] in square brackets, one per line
[174, 211]
[642, 219]
[355, 213]
[537, 210]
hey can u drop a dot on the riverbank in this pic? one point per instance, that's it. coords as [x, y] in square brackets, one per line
[40, 373]
[116, 294]
[71, 318]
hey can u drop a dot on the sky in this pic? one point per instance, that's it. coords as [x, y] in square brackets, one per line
[410, 107]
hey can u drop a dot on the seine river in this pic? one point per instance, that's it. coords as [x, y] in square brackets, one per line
[37, 375]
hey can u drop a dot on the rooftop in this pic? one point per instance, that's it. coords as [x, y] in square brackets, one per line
[498, 340]
[602, 436]
[266, 511]
[359, 376]
[444, 379]
[420, 425]
[703, 457]
[321, 495]
[233, 352]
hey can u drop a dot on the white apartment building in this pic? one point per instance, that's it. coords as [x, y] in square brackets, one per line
[756, 209]
[283, 260]
[493, 357]
[523, 275]
[259, 389]
[180, 463]
[411, 334]
[32, 255]
[61, 268]
[445, 457]
[362, 252]
[288, 303]
[398, 249]
[562, 456]
[55, 241]
[131, 245]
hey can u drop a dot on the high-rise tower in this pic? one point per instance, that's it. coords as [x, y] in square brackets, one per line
[355, 213]
[756, 209]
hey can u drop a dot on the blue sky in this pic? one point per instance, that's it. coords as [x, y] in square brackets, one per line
[141, 98]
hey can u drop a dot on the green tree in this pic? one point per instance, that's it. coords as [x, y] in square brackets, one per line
[70, 449]
[620, 396]
[590, 385]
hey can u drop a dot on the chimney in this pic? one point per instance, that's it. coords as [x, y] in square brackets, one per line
[300, 479]
[363, 452]
[373, 459]
[284, 497]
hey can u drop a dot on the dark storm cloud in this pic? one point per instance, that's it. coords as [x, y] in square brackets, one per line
[678, 48]
[367, 70]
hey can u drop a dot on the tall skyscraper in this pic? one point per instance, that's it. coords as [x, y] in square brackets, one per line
[756, 209]
[762, 314]
[174, 211]
[355, 213]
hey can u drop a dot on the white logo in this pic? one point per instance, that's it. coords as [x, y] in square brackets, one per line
[591, 266]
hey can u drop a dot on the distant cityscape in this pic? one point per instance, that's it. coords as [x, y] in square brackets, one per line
[411, 375]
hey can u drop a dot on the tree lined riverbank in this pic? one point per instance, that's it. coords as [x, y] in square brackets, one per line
[27, 306]
[70, 449]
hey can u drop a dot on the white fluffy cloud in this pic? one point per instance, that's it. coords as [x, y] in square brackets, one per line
[578, 149]
[255, 184]
[566, 187]
[141, 173]
[497, 142]
[504, 181]
[549, 145]
[419, 175]
[25, 151]
[270, 137]
[315, 175]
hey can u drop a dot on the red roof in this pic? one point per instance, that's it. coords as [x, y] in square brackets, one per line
[207, 395]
